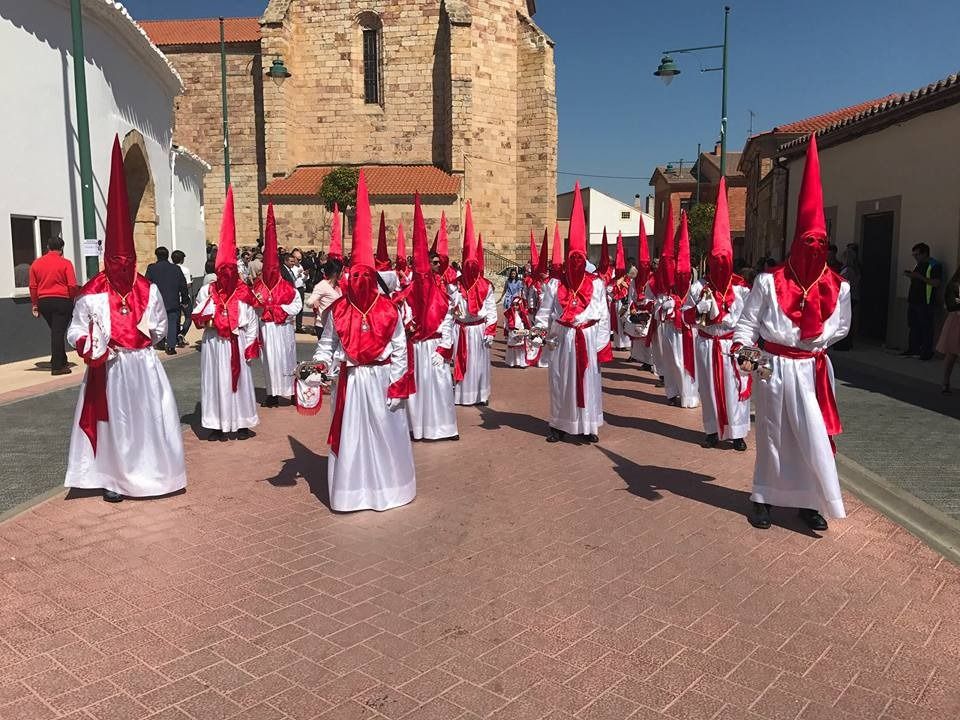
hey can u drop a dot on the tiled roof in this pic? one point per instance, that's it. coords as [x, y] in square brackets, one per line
[819, 122]
[733, 161]
[202, 31]
[381, 180]
[895, 106]
[675, 175]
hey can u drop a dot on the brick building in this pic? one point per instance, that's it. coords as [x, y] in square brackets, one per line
[678, 186]
[766, 209]
[454, 98]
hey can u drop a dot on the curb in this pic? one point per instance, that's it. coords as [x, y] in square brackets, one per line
[939, 531]
[32, 502]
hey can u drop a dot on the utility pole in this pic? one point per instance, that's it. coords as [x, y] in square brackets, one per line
[91, 263]
[223, 107]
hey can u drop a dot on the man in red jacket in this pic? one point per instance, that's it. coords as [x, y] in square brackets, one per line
[53, 286]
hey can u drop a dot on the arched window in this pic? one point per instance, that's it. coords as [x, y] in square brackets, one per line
[371, 28]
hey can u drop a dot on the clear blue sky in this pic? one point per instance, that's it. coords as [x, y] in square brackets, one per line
[788, 61]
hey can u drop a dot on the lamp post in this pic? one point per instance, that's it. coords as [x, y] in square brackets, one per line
[278, 71]
[668, 69]
[223, 108]
[92, 264]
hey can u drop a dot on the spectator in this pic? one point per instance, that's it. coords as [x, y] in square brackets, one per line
[295, 266]
[209, 272]
[949, 343]
[851, 273]
[178, 256]
[255, 266]
[833, 262]
[325, 292]
[242, 259]
[632, 268]
[172, 284]
[53, 285]
[511, 288]
[925, 278]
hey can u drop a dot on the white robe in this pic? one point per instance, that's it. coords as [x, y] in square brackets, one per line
[738, 411]
[140, 448]
[564, 413]
[619, 338]
[278, 344]
[430, 410]
[220, 407]
[656, 344]
[639, 350]
[795, 466]
[677, 382]
[475, 386]
[374, 470]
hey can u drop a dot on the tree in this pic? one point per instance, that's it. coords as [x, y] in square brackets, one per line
[340, 187]
[700, 222]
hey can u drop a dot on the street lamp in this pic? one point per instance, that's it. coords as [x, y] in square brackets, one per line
[278, 72]
[668, 69]
[92, 264]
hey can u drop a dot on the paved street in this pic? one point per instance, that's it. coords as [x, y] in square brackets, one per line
[526, 581]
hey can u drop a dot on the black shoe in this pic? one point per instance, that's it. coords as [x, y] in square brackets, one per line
[112, 497]
[925, 358]
[760, 517]
[590, 438]
[484, 403]
[646, 366]
[674, 401]
[813, 519]
[61, 371]
[161, 346]
[181, 341]
[659, 383]
[244, 434]
[908, 353]
[216, 436]
[739, 444]
[710, 440]
[554, 435]
[453, 437]
[171, 351]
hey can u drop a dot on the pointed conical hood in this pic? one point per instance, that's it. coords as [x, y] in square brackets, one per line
[119, 253]
[556, 256]
[383, 255]
[271, 261]
[578, 225]
[543, 261]
[620, 263]
[603, 267]
[335, 252]
[720, 260]
[684, 271]
[427, 300]
[667, 267]
[226, 264]
[421, 258]
[362, 251]
[400, 263]
[443, 240]
[469, 239]
[808, 252]
[643, 259]
[480, 259]
[470, 270]
[534, 256]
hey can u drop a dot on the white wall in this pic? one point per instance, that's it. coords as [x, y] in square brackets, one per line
[189, 232]
[606, 211]
[38, 126]
[919, 161]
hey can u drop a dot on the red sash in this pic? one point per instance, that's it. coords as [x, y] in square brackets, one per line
[460, 362]
[580, 345]
[719, 382]
[333, 439]
[824, 388]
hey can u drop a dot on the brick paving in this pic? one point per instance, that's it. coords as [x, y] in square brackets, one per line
[527, 581]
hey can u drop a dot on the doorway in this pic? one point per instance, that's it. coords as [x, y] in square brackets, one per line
[876, 261]
[142, 198]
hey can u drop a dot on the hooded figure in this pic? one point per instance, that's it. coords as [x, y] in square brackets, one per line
[576, 315]
[224, 310]
[603, 269]
[556, 256]
[400, 264]
[364, 346]
[714, 305]
[521, 350]
[126, 437]
[659, 295]
[441, 248]
[475, 313]
[639, 305]
[277, 303]
[336, 243]
[799, 310]
[618, 288]
[430, 408]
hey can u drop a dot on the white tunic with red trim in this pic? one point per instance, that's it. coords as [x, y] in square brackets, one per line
[140, 447]
[710, 352]
[222, 408]
[279, 349]
[678, 382]
[374, 470]
[565, 413]
[795, 466]
[639, 349]
[430, 410]
[472, 330]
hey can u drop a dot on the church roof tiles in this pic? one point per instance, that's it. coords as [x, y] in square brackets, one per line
[305, 181]
[201, 31]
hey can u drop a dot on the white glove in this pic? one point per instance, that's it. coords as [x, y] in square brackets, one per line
[488, 341]
[704, 306]
[315, 379]
[437, 360]
[393, 404]
[667, 305]
[537, 341]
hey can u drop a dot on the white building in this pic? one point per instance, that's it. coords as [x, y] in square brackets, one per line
[189, 232]
[130, 92]
[602, 211]
[891, 179]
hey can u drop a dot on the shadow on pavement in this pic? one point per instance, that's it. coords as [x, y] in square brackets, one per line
[647, 482]
[639, 375]
[918, 393]
[656, 427]
[491, 419]
[636, 395]
[193, 420]
[304, 464]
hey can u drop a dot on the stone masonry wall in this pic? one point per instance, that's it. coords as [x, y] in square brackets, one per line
[199, 122]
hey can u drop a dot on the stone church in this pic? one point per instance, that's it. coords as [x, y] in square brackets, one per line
[455, 99]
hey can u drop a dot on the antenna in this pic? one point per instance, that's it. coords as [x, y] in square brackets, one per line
[752, 116]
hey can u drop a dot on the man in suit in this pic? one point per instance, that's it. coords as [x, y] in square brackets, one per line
[172, 285]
